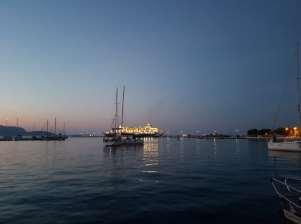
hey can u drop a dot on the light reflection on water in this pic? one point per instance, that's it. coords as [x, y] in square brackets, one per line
[151, 151]
[293, 157]
[165, 181]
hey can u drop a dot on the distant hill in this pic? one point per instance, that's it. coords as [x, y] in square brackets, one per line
[11, 131]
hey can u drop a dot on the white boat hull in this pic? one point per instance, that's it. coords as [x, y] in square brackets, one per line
[292, 217]
[294, 146]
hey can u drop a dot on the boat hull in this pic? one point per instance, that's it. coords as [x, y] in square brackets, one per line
[291, 217]
[285, 146]
[118, 144]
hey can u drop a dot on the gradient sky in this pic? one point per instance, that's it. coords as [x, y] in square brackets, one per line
[187, 65]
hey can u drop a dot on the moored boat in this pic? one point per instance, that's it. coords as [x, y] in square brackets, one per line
[125, 141]
[290, 146]
[295, 145]
[114, 137]
[289, 192]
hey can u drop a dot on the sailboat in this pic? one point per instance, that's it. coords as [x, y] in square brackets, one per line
[290, 146]
[114, 137]
[114, 133]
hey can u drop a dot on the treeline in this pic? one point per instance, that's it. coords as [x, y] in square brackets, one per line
[268, 132]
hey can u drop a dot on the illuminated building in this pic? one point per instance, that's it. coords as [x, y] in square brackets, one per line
[292, 132]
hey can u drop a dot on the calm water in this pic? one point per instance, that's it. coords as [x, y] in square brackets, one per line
[166, 181]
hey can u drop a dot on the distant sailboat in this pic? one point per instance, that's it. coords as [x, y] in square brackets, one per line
[292, 146]
[114, 137]
[144, 131]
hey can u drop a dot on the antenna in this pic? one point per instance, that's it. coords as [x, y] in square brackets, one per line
[47, 127]
[55, 125]
[298, 84]
[64, 129]
[17, 122]
[122, 118]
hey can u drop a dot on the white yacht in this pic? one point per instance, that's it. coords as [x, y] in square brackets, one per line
[292, 145]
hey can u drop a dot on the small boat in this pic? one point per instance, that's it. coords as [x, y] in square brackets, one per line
[289, 192]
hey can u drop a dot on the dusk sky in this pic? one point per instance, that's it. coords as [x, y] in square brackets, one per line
[187, 65]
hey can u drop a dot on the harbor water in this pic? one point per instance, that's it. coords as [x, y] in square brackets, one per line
[164, 181]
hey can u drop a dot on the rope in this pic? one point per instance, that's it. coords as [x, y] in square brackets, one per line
[283, 196]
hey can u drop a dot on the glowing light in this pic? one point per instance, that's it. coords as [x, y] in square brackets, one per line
[146, 129]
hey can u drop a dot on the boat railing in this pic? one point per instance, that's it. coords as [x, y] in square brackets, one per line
[289, 188]
[292, 187]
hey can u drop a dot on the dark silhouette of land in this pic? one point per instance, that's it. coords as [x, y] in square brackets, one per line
[8, 133]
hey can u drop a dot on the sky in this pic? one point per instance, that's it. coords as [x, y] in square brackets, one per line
[187, 66]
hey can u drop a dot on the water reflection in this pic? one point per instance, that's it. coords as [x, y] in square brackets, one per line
[291, 156]
[41, 180]
[214, 147]
[122, 151]
[151, 144]
[237, 148]
[151, 151]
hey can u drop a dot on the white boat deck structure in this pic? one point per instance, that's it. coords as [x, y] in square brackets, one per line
[293, 146]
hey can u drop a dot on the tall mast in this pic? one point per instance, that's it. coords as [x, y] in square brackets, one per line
[47, 124]
[116, 110]
[64, 129]
[298, 85]
[122, 118]
[55, 125]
